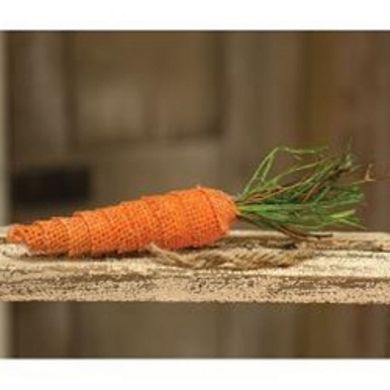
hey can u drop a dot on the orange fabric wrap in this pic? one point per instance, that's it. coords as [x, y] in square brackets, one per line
[178, 219]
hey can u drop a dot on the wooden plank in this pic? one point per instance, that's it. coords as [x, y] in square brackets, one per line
[42, 329]
[146, 329]
[263, 98]
[39, 112]
[348, 268]
[152, 168]
[347, 96]
[140, 84]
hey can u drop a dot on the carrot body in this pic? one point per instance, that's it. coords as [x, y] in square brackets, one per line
[178, 219]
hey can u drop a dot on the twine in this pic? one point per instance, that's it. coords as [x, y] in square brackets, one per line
[234, 258]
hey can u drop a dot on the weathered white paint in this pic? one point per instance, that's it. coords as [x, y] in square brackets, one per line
[347, 268]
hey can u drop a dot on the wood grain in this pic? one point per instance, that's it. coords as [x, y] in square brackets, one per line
[137, 85]
[347, 268]
[38, 97]
[347, 98]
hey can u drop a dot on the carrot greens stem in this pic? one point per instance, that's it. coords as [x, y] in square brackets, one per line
[319, 190]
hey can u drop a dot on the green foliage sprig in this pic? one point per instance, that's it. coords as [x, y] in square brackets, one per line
[319, 190]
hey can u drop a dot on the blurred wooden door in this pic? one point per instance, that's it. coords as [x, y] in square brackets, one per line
[149, 112]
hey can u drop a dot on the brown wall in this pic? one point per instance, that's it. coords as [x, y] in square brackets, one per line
[149, 112]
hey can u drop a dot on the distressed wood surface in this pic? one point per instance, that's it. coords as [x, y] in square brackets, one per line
[347, 268]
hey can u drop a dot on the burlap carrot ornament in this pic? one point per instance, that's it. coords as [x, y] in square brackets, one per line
[318, 190]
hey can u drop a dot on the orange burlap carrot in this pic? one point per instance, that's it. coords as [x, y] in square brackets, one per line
[179, 219]
[309, 196]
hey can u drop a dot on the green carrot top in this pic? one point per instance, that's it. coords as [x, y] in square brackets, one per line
[319, 190]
